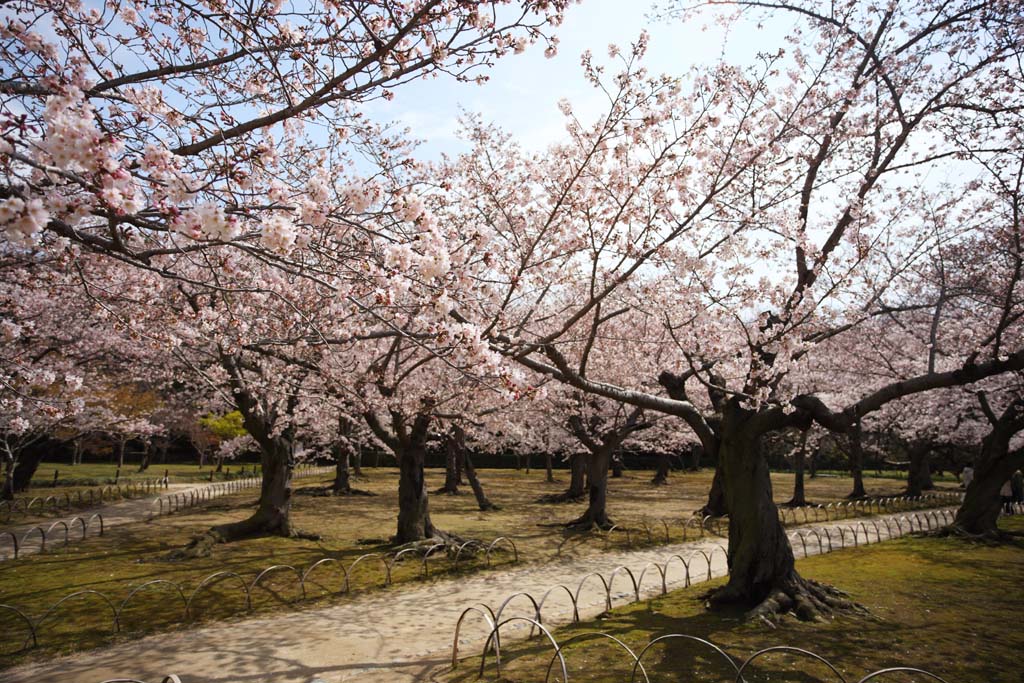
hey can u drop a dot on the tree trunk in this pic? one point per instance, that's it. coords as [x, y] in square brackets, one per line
[577, 476]
[696, 453]
[272, 516]
[357, 461]
[919, 476]
[342, 484]
[661, 474]
[979, 513]
[413, 509]
[120, 453]
[549, 467]
[716, 505]
[812, 463]
[799, 499]
[144, 464]
[474, 482]
[7, 493]
[451, 468]
[597, 491]
[617, 466]
[220, 463]
[76, 452]
[857, 462]
[762, 571]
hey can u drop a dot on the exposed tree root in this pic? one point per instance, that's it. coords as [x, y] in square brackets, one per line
[563, 497]
[203, 543]
[805, 599]
[330, 491]
[586, 522]
[445, 491]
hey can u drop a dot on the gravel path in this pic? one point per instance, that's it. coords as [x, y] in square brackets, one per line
[114, 514]
[404, 633]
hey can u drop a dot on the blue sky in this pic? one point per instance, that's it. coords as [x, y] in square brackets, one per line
[524, 90]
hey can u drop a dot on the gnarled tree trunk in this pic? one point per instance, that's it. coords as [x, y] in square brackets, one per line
[919, 475]
[762, 572]
[661, 473]
[596, 513]
[857, 462]
[413, 506]
[979, 512]
[799, 461]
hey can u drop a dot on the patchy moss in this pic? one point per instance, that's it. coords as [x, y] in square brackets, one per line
[942, 604]
[128, 556]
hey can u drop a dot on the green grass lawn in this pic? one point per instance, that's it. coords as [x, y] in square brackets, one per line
[98, 474]
[128, 556]
[946, 605]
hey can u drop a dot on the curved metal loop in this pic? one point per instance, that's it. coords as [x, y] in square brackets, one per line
[28, 622]
[275, 568]
[611, 581]
[533, 601]
[42, 537]
[67, 530]
[88, 591]
[97, 516]
[214, 578]
[427, 554]
[686, 567]
[370, 556]
[582, 636]
[488, 617]
[607, 590]
[467, 544]
[497, 654]
[788, 649]
[648, 646]
[640, 580]
[572, 600]
[154, 582]
[506, 539]
[14, 541]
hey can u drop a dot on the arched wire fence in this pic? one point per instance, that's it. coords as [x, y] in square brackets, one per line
[61, 532]
[166, 679]
[79, 500]
[326, 576]
[665, 531]
[700, 564]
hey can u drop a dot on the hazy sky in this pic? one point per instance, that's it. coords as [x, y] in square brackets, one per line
[524, 89]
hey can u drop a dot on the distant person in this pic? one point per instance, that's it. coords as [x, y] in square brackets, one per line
[967, 476]
[1007, 495]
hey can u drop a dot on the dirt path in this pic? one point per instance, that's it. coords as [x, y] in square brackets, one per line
[401, 634]
[114, 514]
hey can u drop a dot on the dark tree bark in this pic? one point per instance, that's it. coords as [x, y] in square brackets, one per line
[357, 461]
[577, 481]
[342, 484]
[409, 444]
[146, 455]
[762, 569]
[617, 466]
[455, 442]
[661, 474]
[799, 499]
[549, 467]
[121, 443]
[7, 492]
[601, 444]
[995, 464]
[857, 461]
[919, 475]
[273, 509]
[451, 468]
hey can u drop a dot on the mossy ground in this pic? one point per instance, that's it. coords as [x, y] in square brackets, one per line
[350, 526]
[945, 605]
